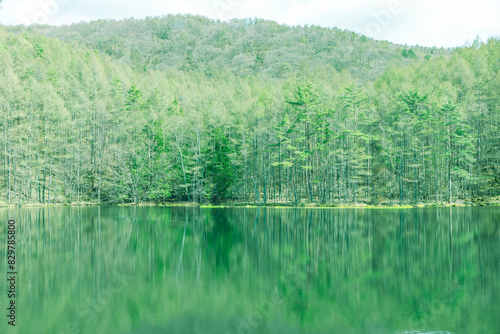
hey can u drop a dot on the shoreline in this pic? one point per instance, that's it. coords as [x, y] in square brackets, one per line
[262, 205]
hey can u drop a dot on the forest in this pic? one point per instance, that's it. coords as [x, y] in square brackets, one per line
[183, 108]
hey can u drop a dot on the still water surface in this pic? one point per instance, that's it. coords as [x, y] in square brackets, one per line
[250, 270]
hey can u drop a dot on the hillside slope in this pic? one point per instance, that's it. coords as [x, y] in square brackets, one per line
[182, 108]
[245, 47]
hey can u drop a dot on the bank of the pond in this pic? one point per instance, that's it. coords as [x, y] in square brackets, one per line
[493, 202]
[347, 206]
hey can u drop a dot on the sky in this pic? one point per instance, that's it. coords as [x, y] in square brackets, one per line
[441, 23]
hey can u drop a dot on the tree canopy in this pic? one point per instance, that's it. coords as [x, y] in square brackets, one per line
[184, 108]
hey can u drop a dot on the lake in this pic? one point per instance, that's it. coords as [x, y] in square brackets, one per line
[254, 270]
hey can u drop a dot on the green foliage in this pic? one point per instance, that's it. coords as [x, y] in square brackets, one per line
[183, 108]
[133, 99]
[409, 54]
[220, 169]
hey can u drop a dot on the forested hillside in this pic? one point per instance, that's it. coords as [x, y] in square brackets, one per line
[183, 108]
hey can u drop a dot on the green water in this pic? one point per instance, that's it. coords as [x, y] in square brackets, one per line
[249, 270]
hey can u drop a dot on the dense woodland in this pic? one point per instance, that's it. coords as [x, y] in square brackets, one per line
[183, 108]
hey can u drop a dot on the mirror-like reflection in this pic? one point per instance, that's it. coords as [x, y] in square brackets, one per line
[255, 270]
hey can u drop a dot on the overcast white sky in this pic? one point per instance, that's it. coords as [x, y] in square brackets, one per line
[446, 23]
